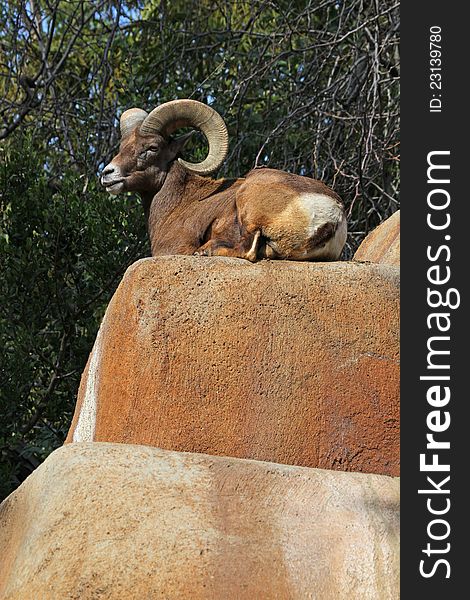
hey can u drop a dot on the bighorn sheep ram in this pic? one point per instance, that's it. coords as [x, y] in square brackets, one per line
[267, 214]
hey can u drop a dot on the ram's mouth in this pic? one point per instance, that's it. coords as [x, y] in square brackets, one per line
[113, 187]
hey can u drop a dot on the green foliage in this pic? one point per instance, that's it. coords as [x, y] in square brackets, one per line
[64, 246]
[306, 86]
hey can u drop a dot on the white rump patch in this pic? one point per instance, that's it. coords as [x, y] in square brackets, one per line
[321, 209]
[86, 424]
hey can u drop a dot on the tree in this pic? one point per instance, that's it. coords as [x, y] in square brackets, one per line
[309, 86]
[63, 250]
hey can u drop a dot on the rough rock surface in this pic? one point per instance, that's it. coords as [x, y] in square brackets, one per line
[382, 245]
[114, 522]
[295, 363]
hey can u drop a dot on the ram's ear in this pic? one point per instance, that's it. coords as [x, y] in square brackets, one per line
[176, 146]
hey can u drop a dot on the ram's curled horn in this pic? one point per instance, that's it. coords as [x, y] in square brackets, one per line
[130, 119]
[169, 117]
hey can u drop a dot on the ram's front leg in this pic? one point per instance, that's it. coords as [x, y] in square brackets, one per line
[247, 248]
[217, 248]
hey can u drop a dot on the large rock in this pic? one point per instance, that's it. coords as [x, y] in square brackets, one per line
[289, 362]
[114, 522]
[382, 245]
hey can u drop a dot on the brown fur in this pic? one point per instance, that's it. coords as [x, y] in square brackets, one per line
[258, 216]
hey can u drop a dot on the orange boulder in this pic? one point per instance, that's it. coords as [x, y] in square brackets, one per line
[382, 245]
[295, 363]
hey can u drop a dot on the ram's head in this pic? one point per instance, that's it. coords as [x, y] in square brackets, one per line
[147, 149]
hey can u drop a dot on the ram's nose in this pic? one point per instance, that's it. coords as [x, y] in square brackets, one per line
[107, 172]
[112, 179]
